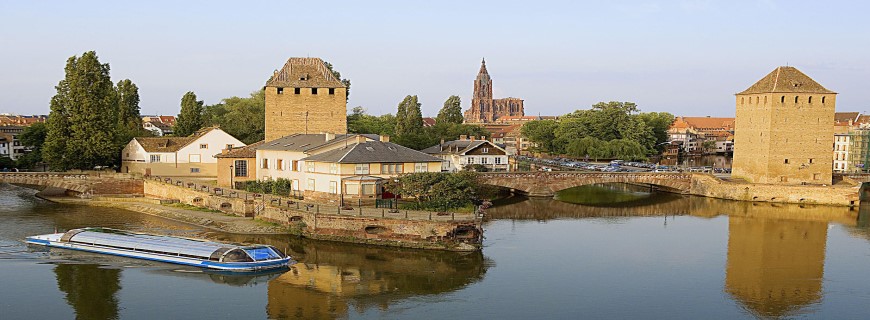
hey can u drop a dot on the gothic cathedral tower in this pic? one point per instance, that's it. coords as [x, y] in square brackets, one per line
[783, 130]
[485, 109]
[305, 97]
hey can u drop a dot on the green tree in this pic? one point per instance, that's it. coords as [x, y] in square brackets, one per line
[33, 137]
[437, 191]
[409, 118]
[451, 112]
[361, 122]
[243, 118]
[128, 116]
[81, 125]
[542, 133]
[585, 147]
[337, 75]
[190, 118]
[659, 122]
[708, 146]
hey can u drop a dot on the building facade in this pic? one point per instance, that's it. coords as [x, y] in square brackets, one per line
[305, 97]
[783, 130]
[485, 109]
[457, 154]
[192, 156]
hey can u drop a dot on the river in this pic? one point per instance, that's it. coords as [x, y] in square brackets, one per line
[638, 255]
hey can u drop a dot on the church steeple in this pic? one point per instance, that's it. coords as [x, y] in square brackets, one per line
[483, 75]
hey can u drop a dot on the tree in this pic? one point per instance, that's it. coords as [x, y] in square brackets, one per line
[243, 118]
[32, 137]
[437, 191]
[81, 126]
[409, 118]
[708, 146]
[542, 133]
[128, 116]
[345, 82]
[451, 112]
[360, 122]
[190, 118]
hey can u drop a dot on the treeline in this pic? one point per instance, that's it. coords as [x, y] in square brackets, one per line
[609, 130]
[406, 127]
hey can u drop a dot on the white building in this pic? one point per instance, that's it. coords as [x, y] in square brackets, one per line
[458, 154]
[177, 156]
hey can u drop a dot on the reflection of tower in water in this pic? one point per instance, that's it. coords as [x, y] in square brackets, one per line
[90, 289]
[775, 266]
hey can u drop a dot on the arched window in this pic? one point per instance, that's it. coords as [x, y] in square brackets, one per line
[782, 100]
[823, 99]
[795, 99]
[810, 100]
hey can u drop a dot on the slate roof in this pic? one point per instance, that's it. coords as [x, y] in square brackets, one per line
[455, 147]
[372, 152]
[304, 73]
[170, 144]
[305, 142]
[786, 80]
[248, 151]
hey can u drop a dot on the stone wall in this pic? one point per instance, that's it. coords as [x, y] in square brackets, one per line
[709, 186]
[240, 207]
[289, 113]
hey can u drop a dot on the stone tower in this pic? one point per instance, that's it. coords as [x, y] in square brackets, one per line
[484, 108]
[783, 130]
[304, 97]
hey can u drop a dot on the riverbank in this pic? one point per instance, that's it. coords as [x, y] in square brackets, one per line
[217, 221]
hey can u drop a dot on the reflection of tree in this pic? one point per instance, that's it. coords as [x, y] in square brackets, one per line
[90, 289]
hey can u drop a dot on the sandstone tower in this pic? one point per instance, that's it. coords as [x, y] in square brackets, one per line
[484, 108]
[783, 130]
[304, 97]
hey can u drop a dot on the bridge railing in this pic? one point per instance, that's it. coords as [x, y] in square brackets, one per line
[43, 175]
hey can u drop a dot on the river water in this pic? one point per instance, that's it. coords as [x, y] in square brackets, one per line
[639, 255]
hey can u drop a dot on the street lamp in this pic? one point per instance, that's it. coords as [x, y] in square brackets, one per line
[232, 173]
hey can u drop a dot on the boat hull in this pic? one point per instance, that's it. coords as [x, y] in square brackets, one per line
[224, 266]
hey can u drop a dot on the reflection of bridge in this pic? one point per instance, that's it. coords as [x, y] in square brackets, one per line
[79, 183]
[546, 184]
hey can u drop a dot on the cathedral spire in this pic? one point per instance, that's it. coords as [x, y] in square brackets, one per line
[483, 74]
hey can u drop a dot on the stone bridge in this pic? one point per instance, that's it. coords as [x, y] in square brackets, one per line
[546, 184]
[78, 183]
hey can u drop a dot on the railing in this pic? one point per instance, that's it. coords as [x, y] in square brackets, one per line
[319, 208]
[43, 175]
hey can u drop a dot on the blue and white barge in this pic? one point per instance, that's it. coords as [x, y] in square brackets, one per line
[185, 251]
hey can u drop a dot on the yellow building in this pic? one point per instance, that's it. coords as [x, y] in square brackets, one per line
[783, 130]
[305, 97]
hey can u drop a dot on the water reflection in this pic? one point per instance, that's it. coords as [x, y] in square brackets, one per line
[90, 289]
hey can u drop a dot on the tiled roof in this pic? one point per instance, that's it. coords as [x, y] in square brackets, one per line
[455, 146]
[248, 151]
[170, 144]
[305, 142]
[428, 122]
[786, 80]
[707, 122]
[846, 116]
[372, 152]
[304, 73]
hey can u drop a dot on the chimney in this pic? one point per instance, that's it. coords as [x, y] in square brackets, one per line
[483, 138]
[441, 145]
[360, 139]
[330, 136]
[472, 138]
[463, 137]
[385, 138]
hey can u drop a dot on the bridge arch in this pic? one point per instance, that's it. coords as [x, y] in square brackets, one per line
[546, 184]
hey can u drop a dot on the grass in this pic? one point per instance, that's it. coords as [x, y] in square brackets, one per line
[192, 208]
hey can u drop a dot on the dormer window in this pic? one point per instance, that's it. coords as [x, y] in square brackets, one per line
[485, 150]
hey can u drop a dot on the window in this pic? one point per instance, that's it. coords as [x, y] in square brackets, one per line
[313, 90]
[782, 99]
[497, 160]
[296, 90]
[368, 189]
[155, 158]
[421, 167]
[294, 185]
[229, 146]
[391, 168]
[128, 154]
[310, 166]
[786, 161]
[241, 168]
[810, 100]
[194, 158]
[203, 146]
[484, 160]
[470, 160]
[333, 168]
[811, 160]
[265, 163]
[280, 90]
[311, 184]
[194, 170]
[280, 164]
[361, 168]
[795, 99]
[331, 90]
[484, 150]
[333, 187]
[823, 99]
[295, 165]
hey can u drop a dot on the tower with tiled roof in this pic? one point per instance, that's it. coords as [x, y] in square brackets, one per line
[783, 131]
[305, 97]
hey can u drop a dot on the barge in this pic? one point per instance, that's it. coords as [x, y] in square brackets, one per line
[185, 251]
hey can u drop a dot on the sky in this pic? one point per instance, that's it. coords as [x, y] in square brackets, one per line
[683, 57]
